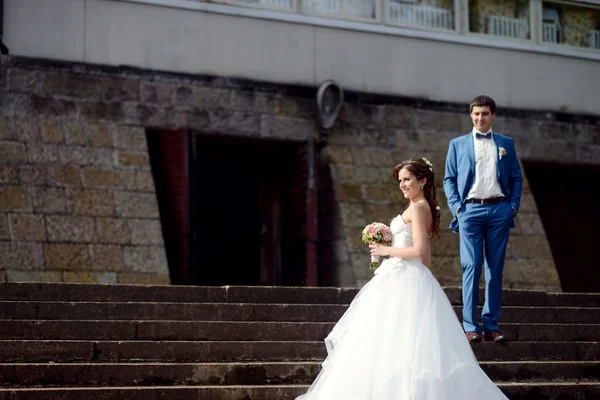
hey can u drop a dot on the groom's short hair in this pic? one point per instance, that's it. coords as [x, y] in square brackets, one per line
[482, 101]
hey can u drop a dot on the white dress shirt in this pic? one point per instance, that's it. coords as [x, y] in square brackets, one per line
[486, 183]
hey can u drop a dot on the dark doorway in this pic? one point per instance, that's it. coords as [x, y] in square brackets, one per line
[566, 198]
[236, 211]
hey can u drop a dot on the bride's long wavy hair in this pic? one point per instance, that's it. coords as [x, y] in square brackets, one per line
[420, 168]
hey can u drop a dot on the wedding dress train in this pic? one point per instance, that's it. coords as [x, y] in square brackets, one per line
[400, 339]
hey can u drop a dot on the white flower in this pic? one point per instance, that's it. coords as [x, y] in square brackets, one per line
[501, 152]
[426, 161]
[437, 207]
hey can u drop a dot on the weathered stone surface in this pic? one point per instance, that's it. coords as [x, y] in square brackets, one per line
[4, 229]
[130, 138]
[27, 227]
[281, 127]
[349, 193]
[75, 133]
[71, 85]
[363, 114]
[381, 194]
[9, 175]
[144, 182]
[145, 232]
[7, 128]
[145, 259]
[101, 178]
[24, 80]
[294, 106]
[339, 155]
[90, 277]
[14, 198]
[113, 230]
[531, 247]
[588, 153]
[144, 115]
[21, 256]
[400, 117]
[361, 156]
[37, 175]
[106, 258]
[143, 279]
[136, 205]
[133, 159]
[50, 107]
[71, 229]
[86, 156]
[161, 93]
[95, 110]
[128, 179]
[52, 131]
[72, 257]
[13, 152]
[120, 89]
[15, 275]
[353, 215]
[67, 175]
[447, 270]
[42, 153]
[99, 135]
[49, 200]
[90, 202]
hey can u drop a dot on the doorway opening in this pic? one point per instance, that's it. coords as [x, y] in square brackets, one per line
[566, 200]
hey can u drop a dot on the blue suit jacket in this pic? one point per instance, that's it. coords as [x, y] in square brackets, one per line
[460, 172]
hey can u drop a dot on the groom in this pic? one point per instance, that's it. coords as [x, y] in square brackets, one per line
[483, 187]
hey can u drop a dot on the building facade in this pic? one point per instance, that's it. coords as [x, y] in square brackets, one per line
[157, 141]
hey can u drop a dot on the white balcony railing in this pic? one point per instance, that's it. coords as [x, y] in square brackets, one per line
[354, 9]
[421, 15]
[551, 33]
[594, 39]
[508, 27]
[285, 4]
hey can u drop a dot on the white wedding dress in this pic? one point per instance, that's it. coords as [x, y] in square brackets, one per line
[400, 339]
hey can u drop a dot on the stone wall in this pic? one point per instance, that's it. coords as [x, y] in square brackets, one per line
[77, 199]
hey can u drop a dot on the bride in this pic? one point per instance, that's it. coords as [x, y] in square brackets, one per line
[400, 339]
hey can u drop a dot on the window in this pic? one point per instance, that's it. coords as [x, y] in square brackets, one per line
[506, 18]
[571, 25]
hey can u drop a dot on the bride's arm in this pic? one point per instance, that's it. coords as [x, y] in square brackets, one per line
[420, 248]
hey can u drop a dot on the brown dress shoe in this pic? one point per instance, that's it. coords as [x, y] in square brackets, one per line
[473, 336]
[493, 336]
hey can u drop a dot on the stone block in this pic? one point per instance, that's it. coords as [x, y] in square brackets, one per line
[13, 152]
[101, 178]
[68, 175]
[52, 107]
[381, 194]
[136, 205]
[360, 156]
[130, 138]
[399, 117]
[106, 258]
[203, 97]
[128, 278]
[406, 140]
[529, 224]
[21, 256]
[161, 93]
[294, 106]
[144, 182]
[376, 136]
[144, 115]
[528, 204]
[339, 155]
[349, 193]
[7, 128]
[75, 133]
[145, 232]
[99, 135]
[3, 276]
[121, 89]
[113, 230]
[588, 153]
[4, 229]
[381, 158]
[447, 270]
[42, 153]
[27, 227]
[14, 198]
[529, 248]
[128, 179]
[71, 229]
[353, 215]
[52, 131]
[94, 110]
[39, 175]
[131, 159]
[81, 86]
[277, 127]
[438, 121]
[145, 259]
[90, 277]
[71, 257]
[90, 202]
[15, 275]
[383, 213]
[447, 245]
[86, 156]
[9, 175]
[24, 80]
[360, 265]
[50, 200]
[363, 114]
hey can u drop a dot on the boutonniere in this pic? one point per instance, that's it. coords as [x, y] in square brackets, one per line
[501, 152]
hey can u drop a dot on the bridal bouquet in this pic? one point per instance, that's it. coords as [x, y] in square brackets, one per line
[376, 233]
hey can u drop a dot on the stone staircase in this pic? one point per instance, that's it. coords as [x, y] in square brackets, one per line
[99, 342]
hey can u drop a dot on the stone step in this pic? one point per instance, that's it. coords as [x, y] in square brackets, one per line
[225, 351]
[27, 291]
[516, 391]
[244, 331]
[51, 310]
[268, 373]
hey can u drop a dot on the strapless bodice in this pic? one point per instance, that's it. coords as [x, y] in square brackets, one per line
[402, 233]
